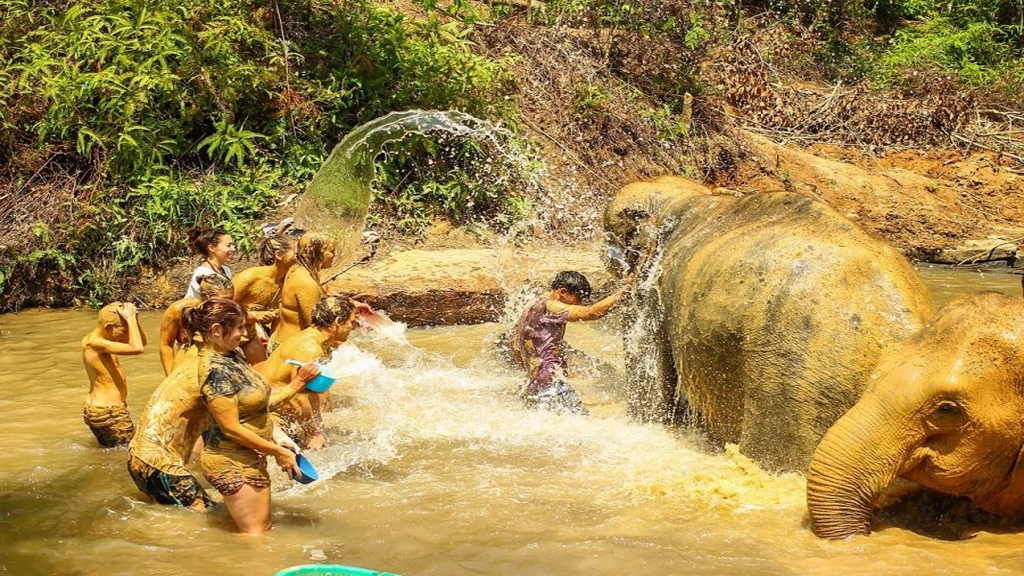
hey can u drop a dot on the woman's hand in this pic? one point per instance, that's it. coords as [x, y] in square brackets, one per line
[317, 442]
[307, 373]
[282, 439]
[285, 458]
[264, 316]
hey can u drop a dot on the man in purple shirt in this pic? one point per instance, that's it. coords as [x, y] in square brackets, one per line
[537, 339]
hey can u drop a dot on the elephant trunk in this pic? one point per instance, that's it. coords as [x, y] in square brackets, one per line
[859, 457]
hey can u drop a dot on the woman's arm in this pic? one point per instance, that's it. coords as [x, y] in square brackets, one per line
[224, 410]
[307, 295]
[304, 375]
[242, 282]
[168, 336]
[136, 340]
[142, 332]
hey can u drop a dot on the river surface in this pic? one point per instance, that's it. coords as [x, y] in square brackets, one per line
[435, 469]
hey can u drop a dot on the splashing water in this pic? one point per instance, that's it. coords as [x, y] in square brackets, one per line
[384, 326]
[337, 200]
[649, 400]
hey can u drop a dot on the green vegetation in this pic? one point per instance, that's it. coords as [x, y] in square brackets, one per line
[198, 112]
[124, 123]
[459, 179]
[893, 41]
[979, 52]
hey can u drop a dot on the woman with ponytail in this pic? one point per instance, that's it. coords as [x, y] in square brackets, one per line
[259, 288]
[217, 248]
[301, 290]
[239, 399]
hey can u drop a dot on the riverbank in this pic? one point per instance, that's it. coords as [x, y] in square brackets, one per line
[97, 197]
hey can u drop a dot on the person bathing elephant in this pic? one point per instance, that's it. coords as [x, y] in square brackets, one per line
[769, 314]
[945, 409]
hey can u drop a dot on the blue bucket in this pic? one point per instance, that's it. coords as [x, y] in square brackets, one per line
[319, 384]
[309, 474]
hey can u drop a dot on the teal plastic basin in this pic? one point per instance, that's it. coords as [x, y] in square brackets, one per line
[310, 569]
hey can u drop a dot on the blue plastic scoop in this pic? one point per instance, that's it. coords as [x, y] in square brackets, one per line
[309, 474]
[319, 384]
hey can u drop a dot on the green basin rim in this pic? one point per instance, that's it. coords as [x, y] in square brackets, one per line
[311, 569]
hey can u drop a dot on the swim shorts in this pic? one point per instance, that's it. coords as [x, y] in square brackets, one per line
[112, 425]
[228, 475]
[166, 488]
[559, 397]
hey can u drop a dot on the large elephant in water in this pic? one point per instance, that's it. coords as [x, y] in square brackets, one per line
[944, 409]
[771, 311]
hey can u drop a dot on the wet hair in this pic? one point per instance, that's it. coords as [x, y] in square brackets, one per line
[210, 284]
[311, 250]
[331, 308]
[200, 238]
[271, 245]
[108, 315]
[201, 319]
[573, 282]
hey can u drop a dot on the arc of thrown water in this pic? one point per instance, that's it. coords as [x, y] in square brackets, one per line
[337, 200]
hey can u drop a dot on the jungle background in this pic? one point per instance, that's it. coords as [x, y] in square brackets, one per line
[125, 123]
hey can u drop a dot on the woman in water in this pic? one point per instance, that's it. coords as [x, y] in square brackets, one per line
[302, 290]
[171, 332]
[240, 400]
[259, 288]
[217, 248]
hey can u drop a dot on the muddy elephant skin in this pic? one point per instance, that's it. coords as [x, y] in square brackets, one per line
[944, 409]
[772, 311]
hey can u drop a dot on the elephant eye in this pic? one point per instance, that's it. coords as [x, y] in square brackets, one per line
[947, 409]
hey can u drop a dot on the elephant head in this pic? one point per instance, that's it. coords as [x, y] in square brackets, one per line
[945, 409]
[639, 205]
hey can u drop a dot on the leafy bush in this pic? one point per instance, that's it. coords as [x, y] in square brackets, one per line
[979, 51]
[976, 51]
[196, 112]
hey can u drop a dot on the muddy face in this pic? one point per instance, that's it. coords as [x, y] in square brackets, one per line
[943, 411]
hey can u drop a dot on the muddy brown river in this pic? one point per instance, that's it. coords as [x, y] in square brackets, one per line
[434, 468]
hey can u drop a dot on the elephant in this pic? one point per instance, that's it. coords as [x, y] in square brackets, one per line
[944, 409]
[765, 317]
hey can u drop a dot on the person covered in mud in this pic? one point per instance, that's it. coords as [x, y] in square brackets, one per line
[168, 430]
[302, 290]
[259, 288]
[217, 248]
[168, 434]
[117, 332]
[334, 318]
[172, 334]
[537, 341]
[239, 400]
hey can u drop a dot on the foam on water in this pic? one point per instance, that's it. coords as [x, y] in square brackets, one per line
[426, 398]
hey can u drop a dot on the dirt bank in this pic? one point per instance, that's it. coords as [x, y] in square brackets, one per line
[943, 207]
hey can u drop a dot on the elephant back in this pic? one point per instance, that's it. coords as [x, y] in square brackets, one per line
[778, 309]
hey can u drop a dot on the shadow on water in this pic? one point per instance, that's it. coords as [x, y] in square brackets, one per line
[942, 517]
